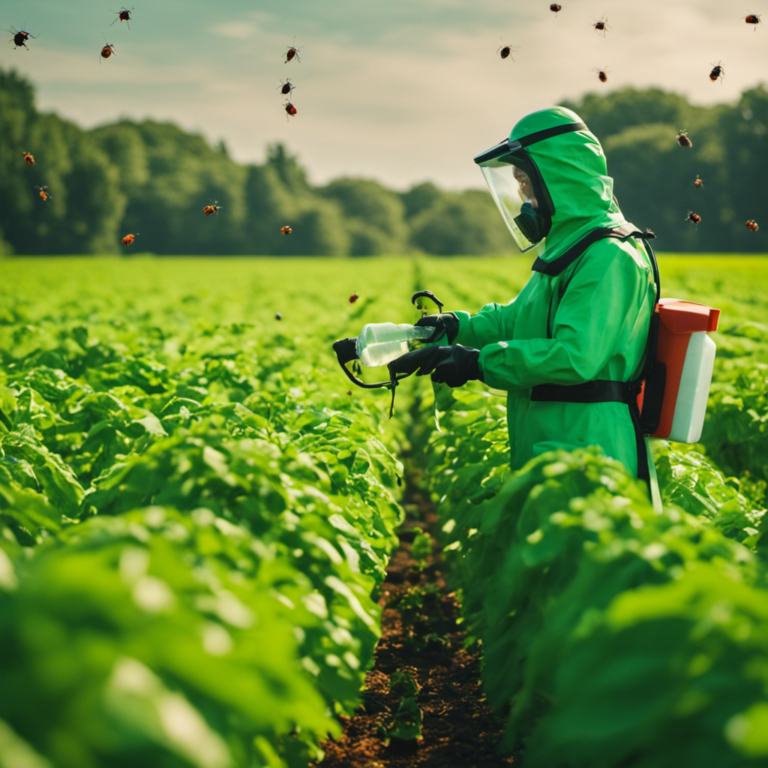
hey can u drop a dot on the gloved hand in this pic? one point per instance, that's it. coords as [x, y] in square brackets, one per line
[446, 324]
[454, 366]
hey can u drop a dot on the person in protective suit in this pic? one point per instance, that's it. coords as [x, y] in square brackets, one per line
[570, 348]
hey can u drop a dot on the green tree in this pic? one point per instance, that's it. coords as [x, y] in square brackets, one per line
[743, 132]
[269, 206]
[654, 184]
[318, 230]
[375, 215]
[420, 197]
[609, 114]
[288, 169]
[184, 175]
[462, 223]
[17, 115]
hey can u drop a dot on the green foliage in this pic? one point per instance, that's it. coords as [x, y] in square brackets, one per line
[405, 724]
[421, 548]
[460, 223]
[375, 215]
[654, 176]
[420, 197]
[403, 682]
[154, 179]
[192, 538]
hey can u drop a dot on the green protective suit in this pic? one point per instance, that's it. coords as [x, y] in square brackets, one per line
[598, 326]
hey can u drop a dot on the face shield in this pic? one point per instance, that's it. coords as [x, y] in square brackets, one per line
[518, 188]
[512, 191]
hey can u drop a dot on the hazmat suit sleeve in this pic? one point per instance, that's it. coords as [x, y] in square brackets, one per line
[494, 322]
[603, 304]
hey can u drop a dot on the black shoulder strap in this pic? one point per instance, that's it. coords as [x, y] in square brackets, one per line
[562, 263]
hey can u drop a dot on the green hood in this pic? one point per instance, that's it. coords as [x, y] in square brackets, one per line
[574, 169]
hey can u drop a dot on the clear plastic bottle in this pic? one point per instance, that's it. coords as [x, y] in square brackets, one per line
[381, 343]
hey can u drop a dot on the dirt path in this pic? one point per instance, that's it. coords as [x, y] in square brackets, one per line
[421, 638]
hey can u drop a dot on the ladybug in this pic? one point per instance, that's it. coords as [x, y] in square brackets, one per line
[505, 51]
[20, 38]
[286, 87]
[44, 194]
[353, 298]
[278, 316]
[683, 140]
[285, 230]
[292, 53]
[349, 392]
[128, 239]
[212, 209]
[601, 26]
[753, 18]
[698, 183]
[602, 75]
[290, 109]
[29, 159]
[123, 15]
[108, 50]
[694, 217]
[717, 72]
[752, 224]
[555, 8]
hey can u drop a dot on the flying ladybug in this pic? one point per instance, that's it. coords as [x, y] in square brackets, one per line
[292, 53]
[753, 18]
[20, 37]
[505, 51]
[717, 72]
[44, 194]
[123, 15]
[212, 209]
[107, 50]
[353, 298]
[29, 159]
[128, 239]
[555, 8]
[285, 230]
[693, 217]
[602, 74]
[286, 87]
[698, 183]
[752, 224]
[290, 109]
[683, 140]
[601, 26]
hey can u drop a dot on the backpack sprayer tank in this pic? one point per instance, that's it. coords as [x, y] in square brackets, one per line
[688, 355]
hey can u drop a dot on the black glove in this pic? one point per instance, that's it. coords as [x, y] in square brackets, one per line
[446, 324]
[454, 366]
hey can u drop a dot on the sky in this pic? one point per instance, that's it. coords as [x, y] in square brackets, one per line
[401, 91]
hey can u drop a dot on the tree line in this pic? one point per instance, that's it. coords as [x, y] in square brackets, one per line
[154, 178]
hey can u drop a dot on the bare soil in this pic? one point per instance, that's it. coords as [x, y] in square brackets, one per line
[420, 634]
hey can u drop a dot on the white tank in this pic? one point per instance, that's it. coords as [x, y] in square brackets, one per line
[691, 405]
[381, 343]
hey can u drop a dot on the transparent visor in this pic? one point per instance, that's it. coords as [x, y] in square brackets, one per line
[510, 187]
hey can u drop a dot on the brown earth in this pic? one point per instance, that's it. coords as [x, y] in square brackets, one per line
[420, 635]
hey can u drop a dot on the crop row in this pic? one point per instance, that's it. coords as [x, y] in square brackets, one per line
[192, 532]
[611, 634]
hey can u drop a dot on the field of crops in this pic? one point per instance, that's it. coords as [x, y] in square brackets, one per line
[196, 513]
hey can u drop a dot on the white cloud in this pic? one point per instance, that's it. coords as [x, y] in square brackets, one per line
[237, 30]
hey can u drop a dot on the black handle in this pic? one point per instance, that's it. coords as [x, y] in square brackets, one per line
[346, 351]
[428, 295]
